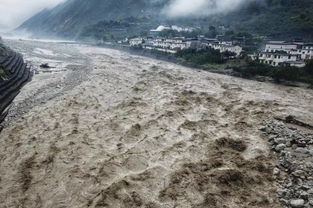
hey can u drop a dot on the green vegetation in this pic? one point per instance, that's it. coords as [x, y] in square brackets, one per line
[245, 67]
[2, 52]
[287, 73]
[277, 19]
[2, 73]
[309, 67]
[115, 30]
[205, 56]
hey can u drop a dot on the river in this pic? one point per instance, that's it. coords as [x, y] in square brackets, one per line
[105, 128]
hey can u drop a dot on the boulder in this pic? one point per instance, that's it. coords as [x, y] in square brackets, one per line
[297, 203]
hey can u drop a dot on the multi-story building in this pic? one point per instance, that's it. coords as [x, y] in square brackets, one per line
[274, 46]
[227, 47]
[168, 45]
[173, 45]
[279, 59]
[304, 50]
[136, 42]
[282, 53]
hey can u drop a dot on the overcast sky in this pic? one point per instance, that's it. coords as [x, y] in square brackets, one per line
[14, 12]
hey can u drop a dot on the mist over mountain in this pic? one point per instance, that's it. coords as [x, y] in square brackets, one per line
[69, 18]
[77, 18]
[198, 8]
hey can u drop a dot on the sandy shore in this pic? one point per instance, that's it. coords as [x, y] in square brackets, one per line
[139, 132]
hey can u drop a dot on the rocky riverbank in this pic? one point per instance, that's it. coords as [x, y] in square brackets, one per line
[68, 68]
[294, 171]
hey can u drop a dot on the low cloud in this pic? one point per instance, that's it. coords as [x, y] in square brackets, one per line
[198, 8]
[14, 12]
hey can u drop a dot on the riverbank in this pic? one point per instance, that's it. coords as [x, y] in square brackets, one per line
[240, 68]
[68, 69]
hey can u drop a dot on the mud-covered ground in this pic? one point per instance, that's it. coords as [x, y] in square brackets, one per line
[138, 132]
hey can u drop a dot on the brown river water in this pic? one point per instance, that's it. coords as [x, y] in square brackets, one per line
[105, 128]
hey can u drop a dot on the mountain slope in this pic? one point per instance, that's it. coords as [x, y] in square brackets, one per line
[272, 18]
[69, 18]
[275, 18]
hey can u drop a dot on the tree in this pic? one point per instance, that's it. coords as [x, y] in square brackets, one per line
[309, 67]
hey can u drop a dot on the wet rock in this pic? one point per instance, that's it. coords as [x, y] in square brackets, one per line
[280, 147]
[276, 171]
[281, 192]
[294, 170]
[280, 141]
[263, 128]
[302, 150]
[45, 66]
[299, 173]
[297, 203]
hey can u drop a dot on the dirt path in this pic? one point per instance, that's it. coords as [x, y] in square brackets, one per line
[145, 133]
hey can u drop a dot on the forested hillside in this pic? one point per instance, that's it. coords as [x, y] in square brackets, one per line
[68, 19]
[101, 19]
[275, 18]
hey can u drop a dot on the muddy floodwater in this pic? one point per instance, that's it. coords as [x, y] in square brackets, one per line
[104, 128]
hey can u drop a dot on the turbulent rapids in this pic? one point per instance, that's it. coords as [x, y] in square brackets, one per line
[104, 128]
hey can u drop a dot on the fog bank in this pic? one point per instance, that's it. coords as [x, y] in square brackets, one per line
[198, 8]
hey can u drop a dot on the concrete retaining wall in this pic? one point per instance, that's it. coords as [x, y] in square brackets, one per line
[17, 75]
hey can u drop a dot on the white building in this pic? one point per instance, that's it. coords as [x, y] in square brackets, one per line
[281, 53]
[305, 51]
[279, 59]
[274, 46]
[136, 42]
[227, 47]
[171, 45]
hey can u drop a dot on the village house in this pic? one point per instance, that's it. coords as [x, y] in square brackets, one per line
[173, 45]
[282, 53]
[135, 42]
[274, 46]
[165, 45]
[227, 46]
[305, 51]
[279, 59]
